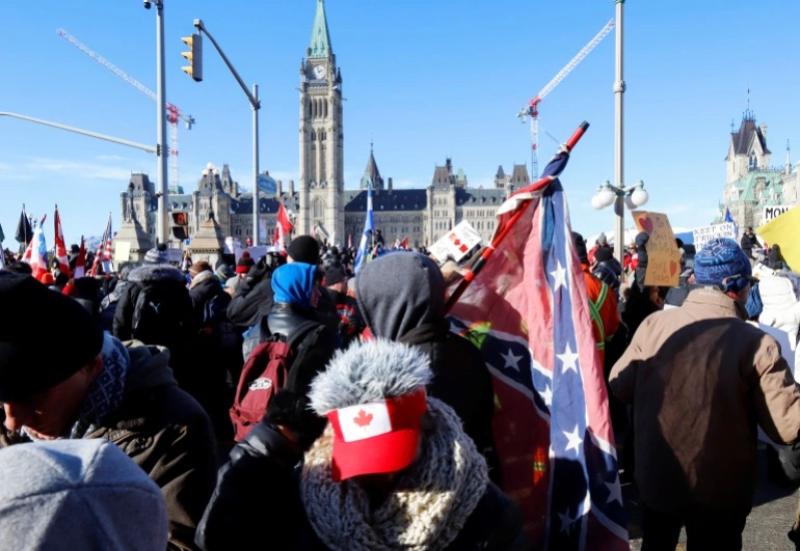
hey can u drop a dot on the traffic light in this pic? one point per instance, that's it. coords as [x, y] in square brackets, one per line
[194, 56]
[180, 225]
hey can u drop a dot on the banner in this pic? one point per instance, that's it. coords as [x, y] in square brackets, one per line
[784, 231]
[663, 258]
[771, 213]
[707, 233]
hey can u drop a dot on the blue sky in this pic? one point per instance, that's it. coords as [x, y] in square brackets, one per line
[423, 80]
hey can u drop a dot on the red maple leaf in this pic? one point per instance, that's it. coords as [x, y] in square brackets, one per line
[363, 418]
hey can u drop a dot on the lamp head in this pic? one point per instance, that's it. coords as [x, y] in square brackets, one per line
[604, 197]
[639, 196]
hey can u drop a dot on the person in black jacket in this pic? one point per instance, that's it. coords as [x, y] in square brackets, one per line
[749, 242]
[401, 297]
[393, 468]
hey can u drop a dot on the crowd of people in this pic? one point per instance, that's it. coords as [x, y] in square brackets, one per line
[285, 401]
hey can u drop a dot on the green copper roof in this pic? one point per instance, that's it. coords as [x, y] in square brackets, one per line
[320, 37]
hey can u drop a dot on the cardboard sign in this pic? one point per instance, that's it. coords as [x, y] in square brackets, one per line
[707, 233]
[122, 251]
[771, 213]
[663, 258]
[456, 244]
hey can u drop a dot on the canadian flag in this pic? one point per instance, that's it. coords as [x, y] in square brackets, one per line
[61, 247]
[364, 421]
[283, 227]
[80, 263]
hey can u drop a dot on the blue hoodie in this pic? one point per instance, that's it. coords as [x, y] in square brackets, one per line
[294, 283]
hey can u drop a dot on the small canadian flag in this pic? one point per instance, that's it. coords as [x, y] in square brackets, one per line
[364, 421]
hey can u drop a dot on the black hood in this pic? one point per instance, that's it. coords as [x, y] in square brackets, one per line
[399, 292]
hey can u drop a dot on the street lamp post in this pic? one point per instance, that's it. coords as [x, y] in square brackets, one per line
[632, 197]
[161, 123]
[619, 170]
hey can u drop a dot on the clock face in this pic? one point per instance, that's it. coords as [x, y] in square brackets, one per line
[320, 71]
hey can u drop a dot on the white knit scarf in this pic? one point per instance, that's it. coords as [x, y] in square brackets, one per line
[428, 508]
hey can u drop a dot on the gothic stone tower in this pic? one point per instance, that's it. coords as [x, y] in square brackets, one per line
[321, 137]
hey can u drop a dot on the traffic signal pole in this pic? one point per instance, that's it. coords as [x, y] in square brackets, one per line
[255, 104]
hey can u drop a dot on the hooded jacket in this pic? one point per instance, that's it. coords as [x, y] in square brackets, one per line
[166, 433]
[401, 298]
[781, 308]
[78, 494]
[253, 299]
[700, 380]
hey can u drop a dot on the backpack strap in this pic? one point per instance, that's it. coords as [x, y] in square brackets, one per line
[594, 311]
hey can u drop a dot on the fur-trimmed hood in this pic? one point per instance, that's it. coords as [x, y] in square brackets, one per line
[155, 272]
[369, 372]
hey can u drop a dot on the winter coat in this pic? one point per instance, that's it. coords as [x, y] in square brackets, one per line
[264, 465]
[164, 431]
[781, 308]
[253, 299]
[350, 323]
[700, 379]
[749, 242]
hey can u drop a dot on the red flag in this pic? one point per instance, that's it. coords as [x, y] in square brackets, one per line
[80, 263]
[528, 313]
[283, 227]
[61, 247]
[404, 243]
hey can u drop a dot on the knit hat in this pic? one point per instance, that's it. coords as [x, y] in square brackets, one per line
[304, 248]
[294, 283]
[34, 357]
[602, 239]
[156, 255]
[244, 264]
[373, 395]
[78, 494]
[719, 259]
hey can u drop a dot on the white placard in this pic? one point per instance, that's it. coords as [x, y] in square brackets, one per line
[456, 244]
[707, 233]
[122, 251]
[770, 213]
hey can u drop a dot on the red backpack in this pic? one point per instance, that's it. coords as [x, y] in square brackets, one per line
[265, 373]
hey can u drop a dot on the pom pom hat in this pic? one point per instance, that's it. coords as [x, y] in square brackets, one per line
[374, 396]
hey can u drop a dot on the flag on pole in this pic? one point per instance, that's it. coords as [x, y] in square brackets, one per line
[36, 252]
[104, 252]
[80, 262]
[728, 217]
[283, 227]
[24, 231]
[365, 246]
[528, 313]
[61, 247]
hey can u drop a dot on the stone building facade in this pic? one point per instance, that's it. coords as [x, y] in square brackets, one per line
[320, 204]
[751, 182]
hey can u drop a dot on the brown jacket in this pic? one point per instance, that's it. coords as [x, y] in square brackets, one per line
[700, 379]
[166, 432]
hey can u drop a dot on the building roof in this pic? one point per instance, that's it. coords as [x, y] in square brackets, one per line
[467, 197]
[386, 200]
[500, 173]
[519, 176]
[748, 131]
[320, 46]
[371, 174]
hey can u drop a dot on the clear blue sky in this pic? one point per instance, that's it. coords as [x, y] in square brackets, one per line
[423, 79]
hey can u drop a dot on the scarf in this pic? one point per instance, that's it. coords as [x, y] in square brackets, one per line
[428, 507]
[199, 278]
[106, 391]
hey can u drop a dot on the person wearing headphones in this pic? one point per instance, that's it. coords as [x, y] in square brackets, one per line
[700, 379]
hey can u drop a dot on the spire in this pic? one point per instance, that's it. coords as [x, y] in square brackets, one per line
[372, 176]
[320, 46]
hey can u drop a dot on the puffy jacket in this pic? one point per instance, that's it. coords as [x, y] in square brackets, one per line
[781, 308]
[253, 299]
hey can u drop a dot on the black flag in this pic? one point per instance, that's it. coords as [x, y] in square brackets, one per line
[24, 231]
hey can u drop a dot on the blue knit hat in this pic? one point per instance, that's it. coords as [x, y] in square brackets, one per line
[293, 283]
[719, 259]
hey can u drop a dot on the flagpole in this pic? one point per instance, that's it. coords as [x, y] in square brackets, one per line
[504, 230]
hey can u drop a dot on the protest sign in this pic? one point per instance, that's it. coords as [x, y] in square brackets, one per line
[456, 244]
[663, 258]
[771, 213]
[707, 233]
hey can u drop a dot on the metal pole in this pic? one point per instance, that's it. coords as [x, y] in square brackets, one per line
[161, 126]
[105, 137]
[255, 107]
[619, 174]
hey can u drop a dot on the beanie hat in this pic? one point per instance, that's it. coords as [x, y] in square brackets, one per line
[374, 396]
[293, 284]
[304, 248]
[602, 239]
[29, 360]
[156, 255]
[244, 264]
[81, 494]
[719, 259]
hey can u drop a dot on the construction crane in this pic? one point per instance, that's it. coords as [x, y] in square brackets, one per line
[531, 111]
[174, 114]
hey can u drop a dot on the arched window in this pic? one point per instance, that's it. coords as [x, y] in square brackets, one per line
[326, 109]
